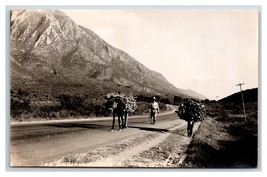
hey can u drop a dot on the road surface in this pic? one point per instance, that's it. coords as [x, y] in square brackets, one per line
[33, 144]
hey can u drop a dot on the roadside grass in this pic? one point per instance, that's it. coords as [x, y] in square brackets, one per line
[225, 142]
[116, 154]
[168, 154]
[94, 157]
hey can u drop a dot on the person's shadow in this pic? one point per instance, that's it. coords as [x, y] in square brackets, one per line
[150, 129]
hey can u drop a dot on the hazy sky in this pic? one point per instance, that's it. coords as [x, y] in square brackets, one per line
[208, 51]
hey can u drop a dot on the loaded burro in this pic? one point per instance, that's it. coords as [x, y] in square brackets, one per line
[121, 106]
[191, 111]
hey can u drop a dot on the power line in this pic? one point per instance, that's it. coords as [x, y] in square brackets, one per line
[240, 84]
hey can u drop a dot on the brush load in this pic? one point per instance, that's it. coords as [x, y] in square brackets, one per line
[129, 101]
[191, 110]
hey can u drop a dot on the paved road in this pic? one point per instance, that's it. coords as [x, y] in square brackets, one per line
[32, 144]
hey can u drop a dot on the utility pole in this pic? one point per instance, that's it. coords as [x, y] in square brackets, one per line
[240, 84]
[217, 100]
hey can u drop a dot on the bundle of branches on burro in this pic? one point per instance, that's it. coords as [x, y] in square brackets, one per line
[120, 106]
[191, 111]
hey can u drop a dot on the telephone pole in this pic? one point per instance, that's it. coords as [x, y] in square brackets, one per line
[217, 100]
[240, 84]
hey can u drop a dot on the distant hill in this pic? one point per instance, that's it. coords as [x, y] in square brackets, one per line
[49, 52]
[250, 95]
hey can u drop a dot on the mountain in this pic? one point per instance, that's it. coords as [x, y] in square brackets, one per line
[49, 52]
[193, 94]
[249, 95]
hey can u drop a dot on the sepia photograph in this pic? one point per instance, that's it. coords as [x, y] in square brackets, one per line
[157, 88]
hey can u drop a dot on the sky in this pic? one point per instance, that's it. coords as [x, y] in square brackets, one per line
[208, 51]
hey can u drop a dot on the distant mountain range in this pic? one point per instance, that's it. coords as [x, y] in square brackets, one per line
[249, 95]
[49, 52]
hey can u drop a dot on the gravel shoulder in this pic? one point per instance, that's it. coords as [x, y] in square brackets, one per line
[160, 148]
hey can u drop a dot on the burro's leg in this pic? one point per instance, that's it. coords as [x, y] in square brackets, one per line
[120, 121]
[113, 122]
[125, 120]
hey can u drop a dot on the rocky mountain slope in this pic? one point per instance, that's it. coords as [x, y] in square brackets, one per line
[48, 50]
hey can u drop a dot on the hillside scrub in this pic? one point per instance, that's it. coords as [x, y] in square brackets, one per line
[19, 103]
[24, 106]
[225, 140]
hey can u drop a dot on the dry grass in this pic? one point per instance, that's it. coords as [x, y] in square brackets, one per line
[223, 143]
[100, 156]
[168, 154]
[133, 152]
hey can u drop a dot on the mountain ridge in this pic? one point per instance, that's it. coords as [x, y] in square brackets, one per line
[47, 47]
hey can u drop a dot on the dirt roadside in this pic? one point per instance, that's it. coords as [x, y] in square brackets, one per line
[163, 147]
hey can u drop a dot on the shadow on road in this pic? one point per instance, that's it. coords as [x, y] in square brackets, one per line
[73, 125]
[150, 129]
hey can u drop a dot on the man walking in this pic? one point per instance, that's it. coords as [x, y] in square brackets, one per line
[154, 109]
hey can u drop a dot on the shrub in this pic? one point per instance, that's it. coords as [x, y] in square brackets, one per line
[19, 103]
[142, 108]
[71, 102]
[47, 111]
[233, 108]
[77, 105]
